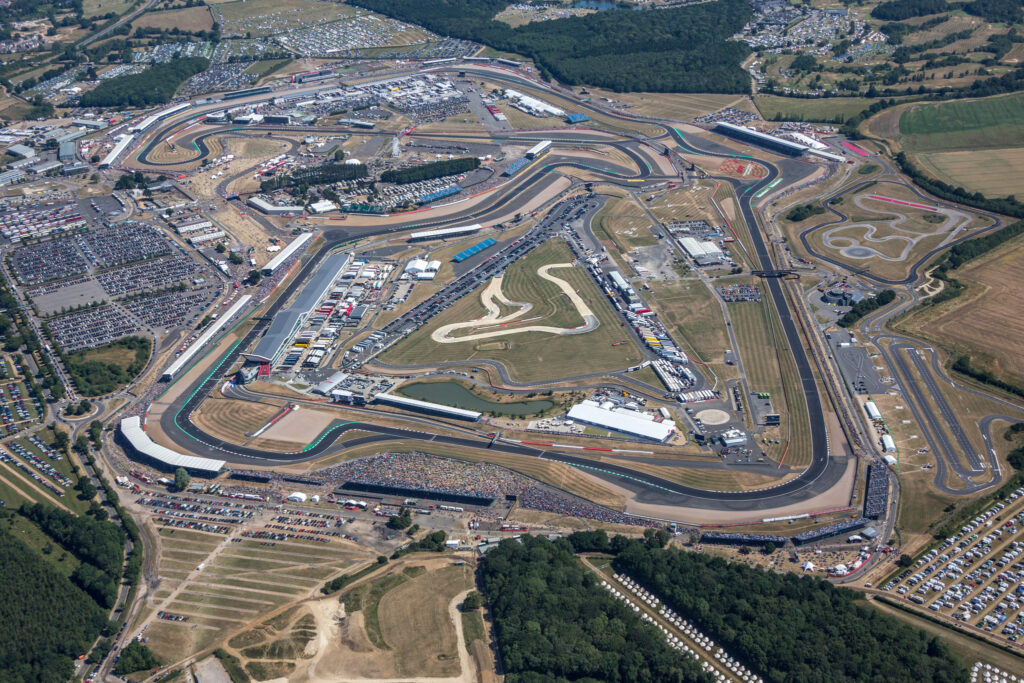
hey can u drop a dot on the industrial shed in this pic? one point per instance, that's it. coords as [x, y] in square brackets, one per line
[623, 421]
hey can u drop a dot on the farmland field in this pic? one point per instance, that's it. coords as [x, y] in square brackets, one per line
[811, 109]
[982, 322]
[189, 19]
[989, 123]
[996, 173]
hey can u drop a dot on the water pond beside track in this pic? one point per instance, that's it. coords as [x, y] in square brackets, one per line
[457, 396]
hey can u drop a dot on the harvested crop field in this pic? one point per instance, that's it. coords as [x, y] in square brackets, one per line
[188, 19]
[984, 323]
[996, 173]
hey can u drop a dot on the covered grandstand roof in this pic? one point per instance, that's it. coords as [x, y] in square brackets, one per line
[131, 429]
[473, 250]
[414, 404]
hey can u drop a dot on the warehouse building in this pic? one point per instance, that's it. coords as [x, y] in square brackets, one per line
[8, 177]
[443, 233]
[21, 151]
[91, 124]
[872, 410]
[263, 206]
[137, 443]
[427, 407]
[702, 253]
[290, 320]
[622, 420]
[66, 151]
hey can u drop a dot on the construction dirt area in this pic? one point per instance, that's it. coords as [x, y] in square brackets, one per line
[400, 622]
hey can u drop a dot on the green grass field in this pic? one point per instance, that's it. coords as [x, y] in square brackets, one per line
[811, 109]
[770, 368]
[532, 355]
[988, 123]
[693, 315]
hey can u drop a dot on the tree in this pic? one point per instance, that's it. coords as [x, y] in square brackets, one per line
[135, 657]
[473, 601]
[769, 548]
[181, 479]
[905, 561]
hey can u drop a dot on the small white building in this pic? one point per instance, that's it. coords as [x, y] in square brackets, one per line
[323, 206]
[417, 265]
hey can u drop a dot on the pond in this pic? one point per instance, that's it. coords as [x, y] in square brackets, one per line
[457, 396]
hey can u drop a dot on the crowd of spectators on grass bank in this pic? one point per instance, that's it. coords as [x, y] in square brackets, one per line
[431, 473]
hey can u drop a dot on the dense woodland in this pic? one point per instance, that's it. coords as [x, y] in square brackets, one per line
[45, 620]
[684, 49]
[436, 169]
[788, 627]
[155, 85]
[1004, 11]
[554, 621]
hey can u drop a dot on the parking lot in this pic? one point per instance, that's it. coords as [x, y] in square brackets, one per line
[93, 327]
[975, 576]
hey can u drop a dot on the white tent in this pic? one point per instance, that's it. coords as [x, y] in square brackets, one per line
[297, 497]
[808, 566]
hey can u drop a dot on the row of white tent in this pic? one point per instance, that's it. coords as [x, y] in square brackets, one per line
[691, 632]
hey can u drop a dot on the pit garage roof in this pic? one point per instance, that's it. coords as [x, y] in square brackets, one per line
[288, 320]
[131, 429]
[622, 420]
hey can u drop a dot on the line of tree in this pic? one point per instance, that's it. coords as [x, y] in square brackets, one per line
[865, 306]
[155, 85]
[680, 49]
[315, 175]
[45, 620]
[554, 622]
[963, 365]
[436, 169]
[785, 627]
[962, 253]
[18, 333]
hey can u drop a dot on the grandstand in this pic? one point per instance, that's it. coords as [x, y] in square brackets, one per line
[138, 444]
[829, 531]
[473, 250]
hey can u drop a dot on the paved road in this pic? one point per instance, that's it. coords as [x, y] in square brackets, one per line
[822, 474]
